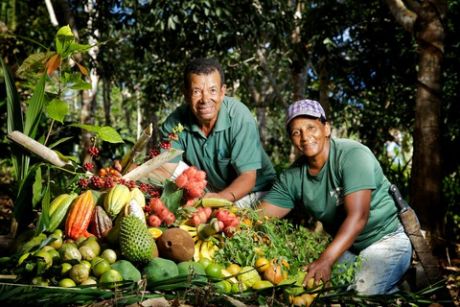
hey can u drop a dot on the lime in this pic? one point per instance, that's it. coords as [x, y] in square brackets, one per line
[205, 262]
[110, 276]
[214, 270]
[96, 260]
[66, 283]
[54, 255]
[57, 243]
[89, 281]
[223, 286]
[65, 268]
[46, 257]
[109, 255]
[39, 281]
[101, 267]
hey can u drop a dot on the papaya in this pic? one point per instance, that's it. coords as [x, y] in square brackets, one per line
[127, 270]
[159, 269]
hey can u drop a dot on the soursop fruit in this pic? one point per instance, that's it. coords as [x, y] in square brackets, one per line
[136, 243]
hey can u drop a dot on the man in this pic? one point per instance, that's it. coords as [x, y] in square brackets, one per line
[220, 136]
[341, 183]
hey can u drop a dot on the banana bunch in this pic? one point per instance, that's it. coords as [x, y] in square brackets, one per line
[192, 231]
[204, 249]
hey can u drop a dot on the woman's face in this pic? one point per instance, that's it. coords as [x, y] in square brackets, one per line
[310, 136]
[205, 95]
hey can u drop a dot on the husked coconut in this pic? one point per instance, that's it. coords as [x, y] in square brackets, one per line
[176, 244]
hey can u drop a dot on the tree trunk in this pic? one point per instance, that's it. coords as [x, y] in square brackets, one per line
[424, 19]
[106, 89]
[324, 86]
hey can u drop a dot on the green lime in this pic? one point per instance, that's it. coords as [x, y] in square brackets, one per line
[109, 255]
[54, 255]
[101, 267]
[223, 286]
[87, 263]
[66, 283]
[205, 262]
[89, 281]
[214, 270]
[110, 276]
[39, 281]
[46, 257]
[65, 268]
[57, 242]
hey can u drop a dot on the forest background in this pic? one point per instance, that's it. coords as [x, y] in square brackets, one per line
[386, 72]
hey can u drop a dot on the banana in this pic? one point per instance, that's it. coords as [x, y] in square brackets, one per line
[196, 254]
[212, 249]
[204, 251]
[215, 202]
[192, 231]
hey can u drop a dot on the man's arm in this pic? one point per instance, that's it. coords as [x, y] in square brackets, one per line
[357, 207]
[239, 188]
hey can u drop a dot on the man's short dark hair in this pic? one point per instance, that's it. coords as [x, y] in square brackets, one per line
[203, 66]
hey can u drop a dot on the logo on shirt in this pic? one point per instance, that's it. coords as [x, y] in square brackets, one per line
[337, 193]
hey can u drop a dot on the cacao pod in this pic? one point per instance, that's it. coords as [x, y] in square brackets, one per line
[79, 216]
[101, 223]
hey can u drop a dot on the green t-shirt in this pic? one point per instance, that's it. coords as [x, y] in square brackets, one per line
[232, 147]
[350, 167]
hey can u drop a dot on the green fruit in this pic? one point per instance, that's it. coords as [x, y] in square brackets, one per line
[79, 273]
[109, 255]
[87, 252]
[39, 281]
[46, 257]
[248, 276]
[262, 284]
[160, 269]
[70, 253]
[110, 276]
[136, 243]
[194, 269]
[92, 243]
[239, 287]
[223, 286]
[87, 263]
[54, 255]
[127, 270]
[66, 283]
[101, 267]
[65, 268]
[89, 281]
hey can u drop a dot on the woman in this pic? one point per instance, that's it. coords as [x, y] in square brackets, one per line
[341, 183]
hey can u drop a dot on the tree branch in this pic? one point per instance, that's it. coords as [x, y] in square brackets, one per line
[403, 15]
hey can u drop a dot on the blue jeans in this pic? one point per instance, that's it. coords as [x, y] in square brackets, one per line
[383, 264]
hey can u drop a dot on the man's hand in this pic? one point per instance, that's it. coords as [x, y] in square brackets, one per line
[320, 270]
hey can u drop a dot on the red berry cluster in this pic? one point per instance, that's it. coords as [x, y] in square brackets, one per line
[200, 216]
[93, 151]
[193, 181]
[229, 220]
[159, 213]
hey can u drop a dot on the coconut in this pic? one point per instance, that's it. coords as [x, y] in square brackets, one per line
[176, 244]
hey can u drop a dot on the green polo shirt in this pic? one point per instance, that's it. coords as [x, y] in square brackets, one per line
[350, 167]
[232, 147]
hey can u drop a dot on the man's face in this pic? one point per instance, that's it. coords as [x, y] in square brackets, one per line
[309, 135]
[205, 94]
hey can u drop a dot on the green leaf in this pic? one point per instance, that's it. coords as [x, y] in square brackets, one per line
[33, 64]
[14, 121]
[171, 196]
[81, 85]
[89, 128]
[37, 187]
[110, 135]
[64, 40]
[57, 110]
[60, 141]
[35, 108]
[44, 219]
[75, 47]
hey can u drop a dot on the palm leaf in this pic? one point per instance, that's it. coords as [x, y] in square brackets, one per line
[14, 120]
[35, 109]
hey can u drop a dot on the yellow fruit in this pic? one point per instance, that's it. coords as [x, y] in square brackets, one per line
[46, 257]
[248, 275]
[65, 268]
[262, 284]
[234, 269]
[109, 255]
[262, 264]
[79, 273]
[275, 274]
[66, 283]
[155, 232]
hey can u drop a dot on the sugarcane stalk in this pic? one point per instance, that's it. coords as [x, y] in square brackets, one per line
[145, 170]
[35, 147]
[137, 148]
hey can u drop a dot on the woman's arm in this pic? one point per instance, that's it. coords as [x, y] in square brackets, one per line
[357, 207]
